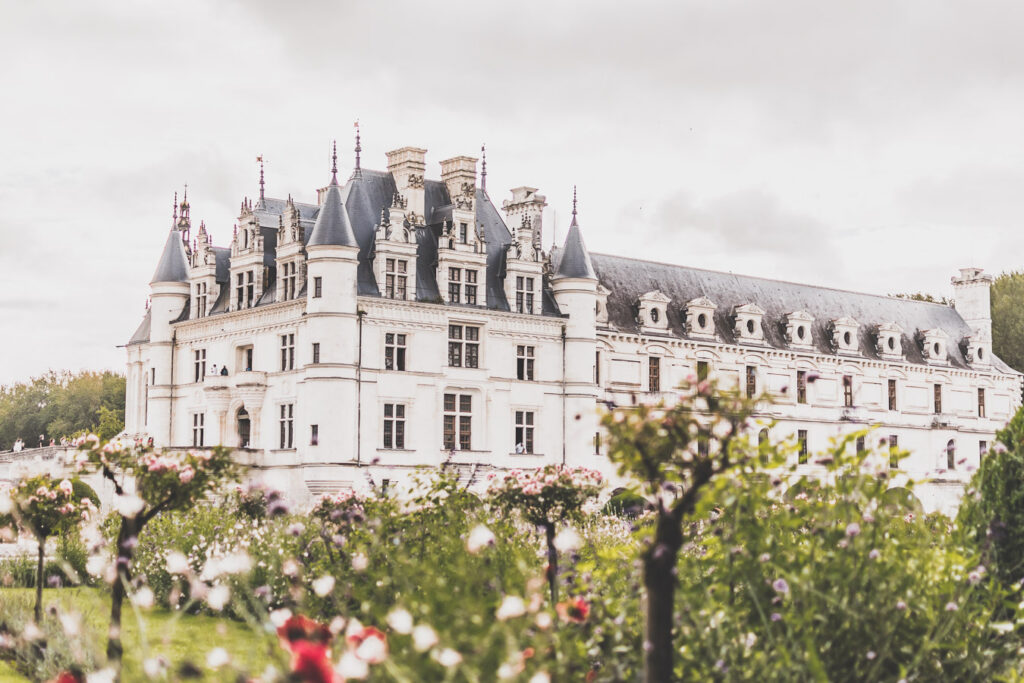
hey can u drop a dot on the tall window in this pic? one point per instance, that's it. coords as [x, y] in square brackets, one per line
[287, 424]
[894, 447]
[597, 443]
[597, 368]
[653, 374]
[463, 232]
[314, 435]
[938, 398]
[524, 294]
[982, 448]
[394, 351]
[288, 351]
[801, 386]
[892, 394]
[951, 454]
[455, 285]
[318, 287]
[198, 429]
[458, 422]
[703, 370]
[981, 403]
[801, 436]
[394, 425]
[463, 346]
[524, 431]
[524, 362]
[861, 446]
[394, 278]
[200, 364]
[751, 381]
[289, 281]
[470, 287]
[316, 352]
[200, 299]
[250, 290]
[848, 391]
[762, 446]
[240, 291]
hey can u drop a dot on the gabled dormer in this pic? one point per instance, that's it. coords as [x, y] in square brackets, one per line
[394, 262]
[844, 336]
[524, 270]
[747, 325]
[933, 346]
[202, 275]
[889, 342]
[653, 312]
[291, 253]
[248, 274]
[798, 329]
[700, 318]
[461, 248]
[978, 350]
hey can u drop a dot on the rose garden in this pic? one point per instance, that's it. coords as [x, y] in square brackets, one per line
[719, 563]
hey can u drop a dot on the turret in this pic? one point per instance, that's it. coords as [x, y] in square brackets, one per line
[972, 299]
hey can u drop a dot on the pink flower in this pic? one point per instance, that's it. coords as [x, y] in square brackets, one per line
[852, 529]
[186, 474]
[781, 586]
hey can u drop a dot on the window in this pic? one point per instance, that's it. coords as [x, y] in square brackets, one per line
[247, 358]
[288, 351]
[938, 398]
[314, 435]
[892, 394]
[597, 443]
[751, 381]
[703, 370]
[848, 391]
[286, 423]
[316, 352]
[200, 299]
[894, 447]
[703, 448]
[454, 285]
[250, 290]
[463, 232]
[524, 362]
[597, 368]
[239, 290]
[152, 379]
[982, 448]
[458, 422]
[471, 287]
[288, 281]
[951, 454]
[524, 431]
[198, 429]
[981, 403]
[394, 351]
[654, 374]
[463, 346]
[801, 436]
[394, 425]
[395, 278]
[200, 364]
[318, 287]
[801, 386]
[861, 446]
[762, 446]
[524, 294]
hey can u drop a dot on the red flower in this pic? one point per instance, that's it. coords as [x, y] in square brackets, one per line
[302, 628]
[310, 663]
[573, 610]
[69, 677]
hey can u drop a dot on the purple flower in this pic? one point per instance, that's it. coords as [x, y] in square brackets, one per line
[874, 554]
[900, 605]
[951, 607]
[852, 529]
[776, 616]
[780, 586]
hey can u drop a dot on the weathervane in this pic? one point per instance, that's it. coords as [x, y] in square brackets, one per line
[483, 170]
[357, 173]
[260, 160]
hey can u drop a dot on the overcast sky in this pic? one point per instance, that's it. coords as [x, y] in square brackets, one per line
[868, 145]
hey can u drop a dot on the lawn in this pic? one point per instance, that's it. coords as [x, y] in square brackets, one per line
[174, 636]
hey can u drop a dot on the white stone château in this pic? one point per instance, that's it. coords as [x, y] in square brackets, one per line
[401, 321]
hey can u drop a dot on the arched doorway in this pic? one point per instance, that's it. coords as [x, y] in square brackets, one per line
[951, 455]
[243, 428]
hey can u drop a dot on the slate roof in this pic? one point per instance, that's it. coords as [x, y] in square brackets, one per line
[173, 265]
[332, 223]
[141, 335]
[627, 279]
[575, 261]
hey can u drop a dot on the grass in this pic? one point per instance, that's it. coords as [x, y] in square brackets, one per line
[175, 636]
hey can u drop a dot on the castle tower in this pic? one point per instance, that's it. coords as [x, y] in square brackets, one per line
[972, 299]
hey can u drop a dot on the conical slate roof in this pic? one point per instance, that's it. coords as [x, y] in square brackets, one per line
[575, 259]
[332, 225]
[173, 265]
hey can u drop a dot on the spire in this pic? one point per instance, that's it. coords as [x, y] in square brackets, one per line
[575, 261]
[260, 160]
[173, 264]
[483, 168]
[174, 215]
[334, 162]
[358, 172]
[333, 226]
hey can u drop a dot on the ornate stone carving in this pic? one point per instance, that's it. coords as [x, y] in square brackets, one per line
[398, 201]
[415, 180]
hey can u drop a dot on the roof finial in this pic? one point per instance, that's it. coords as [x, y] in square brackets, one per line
[358, 172]
[174, 218]
[260, 160]
[573, 206]
[483, 169]
[334, 162]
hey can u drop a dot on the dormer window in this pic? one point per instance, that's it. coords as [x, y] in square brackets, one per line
[652, 312]
[933, 345]
[798, 329]
[654, 315]
[700, 317]
[844, 335]
[748, 323]
[889, 344]
[978, 350]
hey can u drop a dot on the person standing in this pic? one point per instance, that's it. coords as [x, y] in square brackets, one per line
[42, 440]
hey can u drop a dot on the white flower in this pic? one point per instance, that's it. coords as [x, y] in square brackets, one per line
[543, 620]
[512, 606]
[128, 506]
[423, 638]
[360, 562]
[217, 657]
[235, 563]
[279, 616]
[508, 670]
[448, 657]
[336, 626]
[6, 504]
[351, 667]
[567, 539]
[177, 563]
[479, 538]
[96, 565]
[102, 676]
[143, 597]
[1002, 627]
[152, 667]
[31, 632]
[372, 650]
[324, 585]
[218, 597]
[400, 621]
[540, 677]
[71, 623]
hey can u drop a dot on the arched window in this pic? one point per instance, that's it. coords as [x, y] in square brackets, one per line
[951, 455]
[243, 428]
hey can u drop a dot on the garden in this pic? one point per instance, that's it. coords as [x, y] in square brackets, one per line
[720, 564]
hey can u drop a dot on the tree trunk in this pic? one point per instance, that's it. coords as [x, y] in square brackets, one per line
[660, 584]
[549, 535]
[39, 581]
[125, 543]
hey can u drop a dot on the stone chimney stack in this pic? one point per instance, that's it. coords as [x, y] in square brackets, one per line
[526, 202]
[407, 165]
[972, 299]
[459, 175]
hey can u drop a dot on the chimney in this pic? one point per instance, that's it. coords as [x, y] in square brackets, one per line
[526, 203]
[407, 166]
[972, 299]
[459, 175]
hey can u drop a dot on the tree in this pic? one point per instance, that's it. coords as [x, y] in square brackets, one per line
[1008, 319]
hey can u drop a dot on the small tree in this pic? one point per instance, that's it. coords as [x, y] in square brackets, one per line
[163, 482]
[674, 453]
[44, 506]
[546, 497]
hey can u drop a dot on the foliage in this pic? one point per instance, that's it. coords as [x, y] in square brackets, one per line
[62, 404]
[1008, 318]
[547, 495]
[924, 296]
